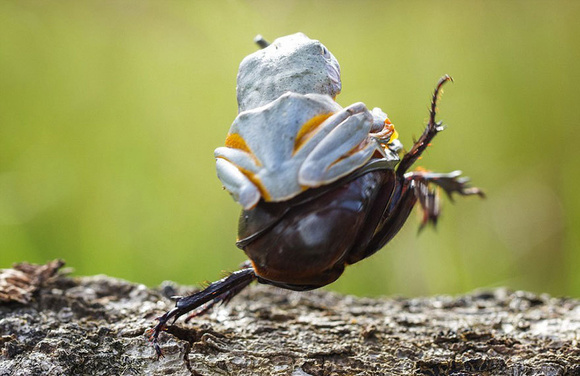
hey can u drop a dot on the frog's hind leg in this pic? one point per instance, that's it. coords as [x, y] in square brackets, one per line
[340, 146]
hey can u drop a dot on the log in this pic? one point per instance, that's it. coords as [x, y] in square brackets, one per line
[52, 324]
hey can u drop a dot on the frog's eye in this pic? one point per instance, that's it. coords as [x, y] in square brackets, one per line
[324, 52]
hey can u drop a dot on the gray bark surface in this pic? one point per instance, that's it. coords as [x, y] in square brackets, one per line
[51, 324]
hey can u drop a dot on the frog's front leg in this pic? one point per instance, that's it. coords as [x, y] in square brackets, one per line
[242, 189]
[340, 146]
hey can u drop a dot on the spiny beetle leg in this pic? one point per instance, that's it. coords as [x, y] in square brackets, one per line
[223, 298]
[431, 130]
[223, 290]
[415, 187]
[451, 182]
[428, 197]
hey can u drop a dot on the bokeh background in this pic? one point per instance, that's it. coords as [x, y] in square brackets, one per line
[110, 111]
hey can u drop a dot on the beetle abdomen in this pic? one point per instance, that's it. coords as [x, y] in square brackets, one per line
[307, 246]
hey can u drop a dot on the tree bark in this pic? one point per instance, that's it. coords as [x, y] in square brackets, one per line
[51, 324]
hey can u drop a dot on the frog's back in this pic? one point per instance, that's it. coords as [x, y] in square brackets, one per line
[290, 134]
[293, 63]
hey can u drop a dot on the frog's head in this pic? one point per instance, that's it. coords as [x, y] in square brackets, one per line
[292, 63]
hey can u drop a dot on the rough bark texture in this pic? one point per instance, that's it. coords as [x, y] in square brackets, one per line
[95, 326]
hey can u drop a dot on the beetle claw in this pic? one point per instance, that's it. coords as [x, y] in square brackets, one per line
[220, 291]
[154, 332]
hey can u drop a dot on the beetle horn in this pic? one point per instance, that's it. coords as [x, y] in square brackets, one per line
[260, 41]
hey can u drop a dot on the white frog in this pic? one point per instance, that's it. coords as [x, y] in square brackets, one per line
[290, 134]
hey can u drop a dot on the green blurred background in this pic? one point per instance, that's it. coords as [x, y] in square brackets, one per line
[110, 111]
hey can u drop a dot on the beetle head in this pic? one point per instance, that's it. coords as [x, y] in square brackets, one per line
[292, 63]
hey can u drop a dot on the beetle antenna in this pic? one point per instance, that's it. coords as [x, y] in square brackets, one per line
[260, 41]
[433, 127]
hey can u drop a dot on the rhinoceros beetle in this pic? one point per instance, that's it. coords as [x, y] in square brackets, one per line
[321, 186]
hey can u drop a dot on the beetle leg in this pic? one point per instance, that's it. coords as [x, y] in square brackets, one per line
[415, 186]
[428, 197]
[431, 130]
[223, 299]
[451, 182]
[223, 290]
